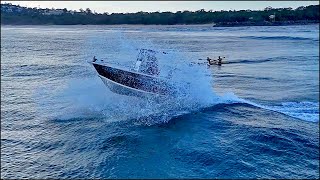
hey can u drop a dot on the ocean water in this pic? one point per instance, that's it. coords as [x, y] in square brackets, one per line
[255, 117]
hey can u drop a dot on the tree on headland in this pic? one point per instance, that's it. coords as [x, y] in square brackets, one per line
[88, 11]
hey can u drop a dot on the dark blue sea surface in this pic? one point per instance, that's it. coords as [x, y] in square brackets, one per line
[255, 117]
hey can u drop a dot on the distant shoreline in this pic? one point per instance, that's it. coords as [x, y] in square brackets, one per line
[265, 23]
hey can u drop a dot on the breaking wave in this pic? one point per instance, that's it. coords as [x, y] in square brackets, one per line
[88, 97]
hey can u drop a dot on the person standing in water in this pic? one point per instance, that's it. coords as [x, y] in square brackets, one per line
[219, 60]
[209, 61]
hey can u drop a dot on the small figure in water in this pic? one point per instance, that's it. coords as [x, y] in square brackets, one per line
[209, 61]
[212, 62]
[94, 59]
[219, 60]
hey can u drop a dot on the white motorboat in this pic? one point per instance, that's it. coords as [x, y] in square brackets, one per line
[142, 80]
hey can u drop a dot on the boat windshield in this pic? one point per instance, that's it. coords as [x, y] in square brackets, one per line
[147, 62]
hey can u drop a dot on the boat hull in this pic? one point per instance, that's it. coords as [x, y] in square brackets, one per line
[131, 83]
[125, 90]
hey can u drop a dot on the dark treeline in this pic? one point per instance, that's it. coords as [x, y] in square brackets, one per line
[17, 15]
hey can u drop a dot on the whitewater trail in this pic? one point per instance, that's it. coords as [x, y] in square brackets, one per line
[306, 111]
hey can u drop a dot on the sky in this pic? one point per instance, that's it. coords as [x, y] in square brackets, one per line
[162, 6]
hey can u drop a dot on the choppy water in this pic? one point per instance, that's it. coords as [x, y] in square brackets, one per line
[256, 117]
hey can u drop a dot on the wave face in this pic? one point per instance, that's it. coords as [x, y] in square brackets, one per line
[255, 117]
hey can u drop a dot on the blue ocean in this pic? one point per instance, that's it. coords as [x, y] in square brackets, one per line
[255, 117]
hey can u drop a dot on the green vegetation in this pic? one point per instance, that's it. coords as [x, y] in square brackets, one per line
[16, 15]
